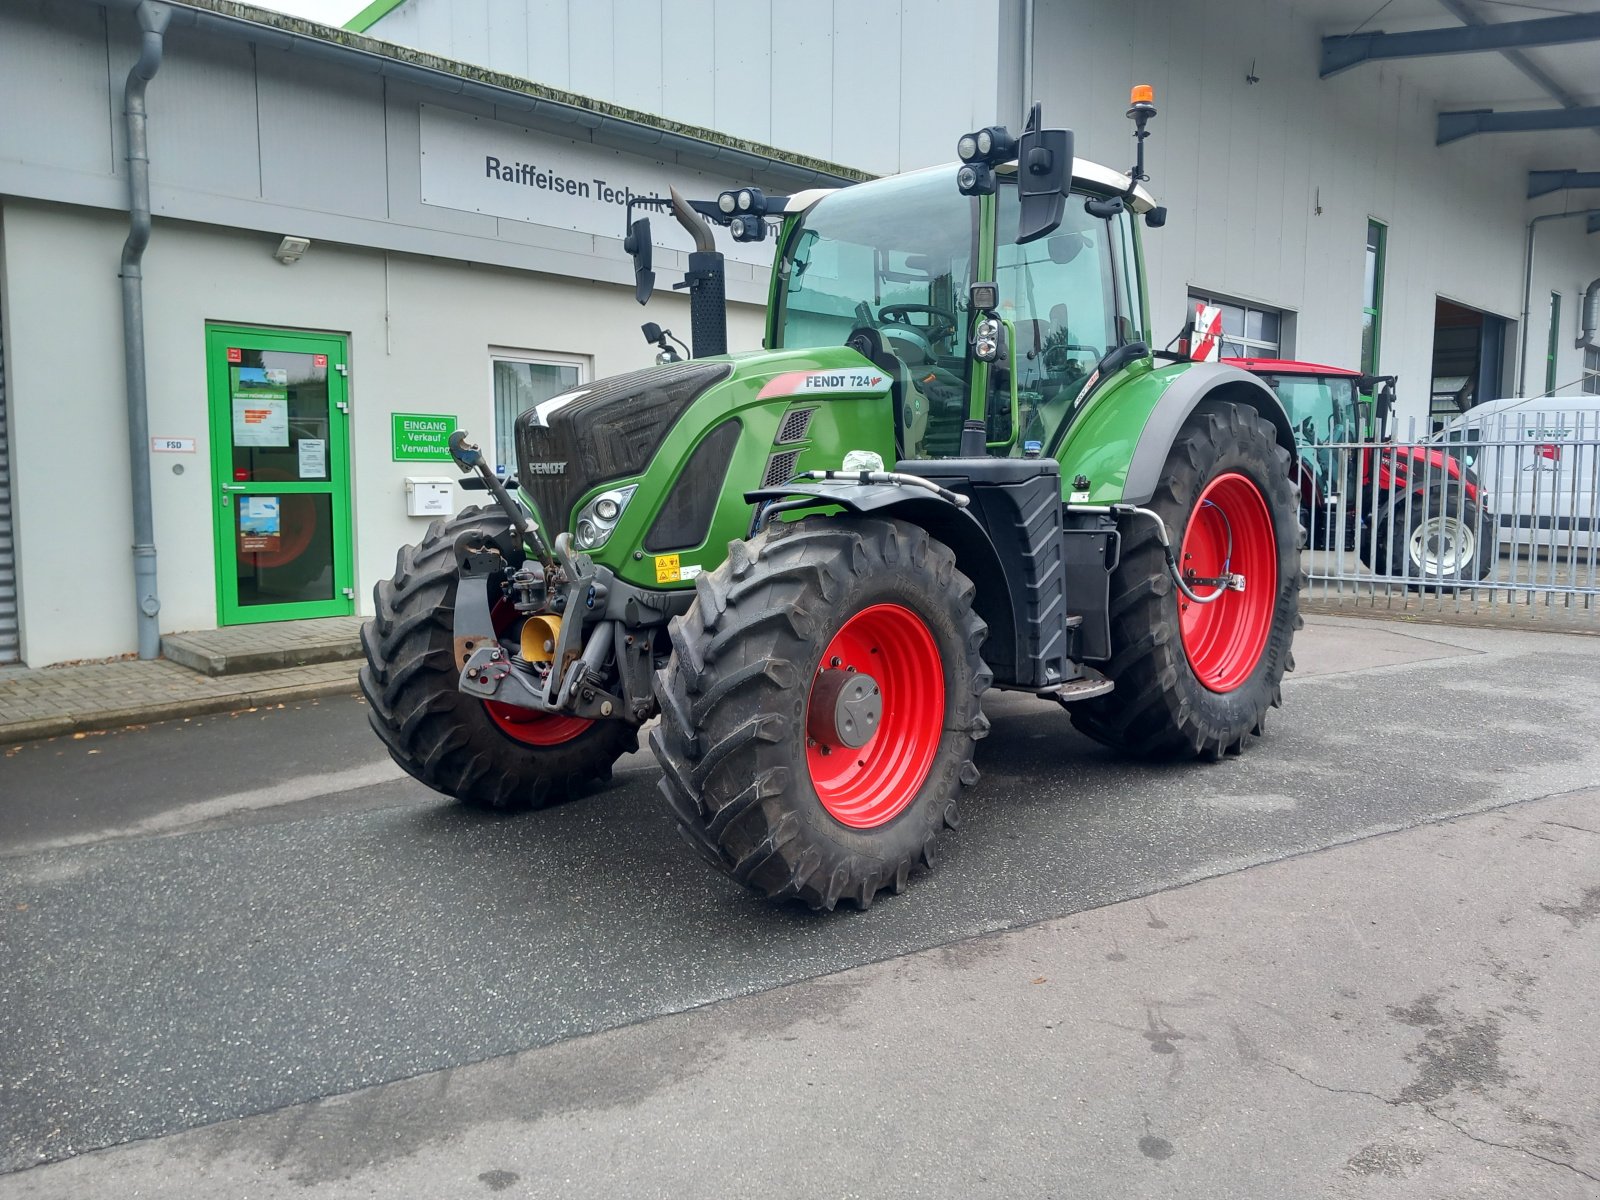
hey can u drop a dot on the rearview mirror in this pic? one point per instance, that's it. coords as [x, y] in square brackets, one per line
[1044, 176]
[637, 243]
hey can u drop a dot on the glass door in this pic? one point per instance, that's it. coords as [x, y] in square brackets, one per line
[280, 468]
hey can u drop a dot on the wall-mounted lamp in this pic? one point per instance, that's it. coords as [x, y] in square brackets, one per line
[290, 249]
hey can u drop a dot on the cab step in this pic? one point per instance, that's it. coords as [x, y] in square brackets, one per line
[1092, 684]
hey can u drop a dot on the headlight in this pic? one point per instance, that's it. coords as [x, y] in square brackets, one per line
[598, 518]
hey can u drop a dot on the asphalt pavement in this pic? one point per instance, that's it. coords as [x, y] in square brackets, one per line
[243, 915]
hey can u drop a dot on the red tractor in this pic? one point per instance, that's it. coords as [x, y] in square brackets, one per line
[1408, 511]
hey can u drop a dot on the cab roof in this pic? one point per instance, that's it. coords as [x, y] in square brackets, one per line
[1084, 173]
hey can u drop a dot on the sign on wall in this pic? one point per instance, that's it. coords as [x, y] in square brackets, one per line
[422, 437]
[476, 164]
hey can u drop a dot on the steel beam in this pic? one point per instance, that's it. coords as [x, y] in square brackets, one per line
[1453, 126]
[1350, 50]
[1542, 183]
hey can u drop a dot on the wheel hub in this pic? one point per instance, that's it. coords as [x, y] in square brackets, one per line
[846, 707]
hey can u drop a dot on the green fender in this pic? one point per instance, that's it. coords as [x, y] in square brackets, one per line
[1121, 441]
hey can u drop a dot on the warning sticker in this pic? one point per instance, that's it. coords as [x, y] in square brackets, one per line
[667, 568]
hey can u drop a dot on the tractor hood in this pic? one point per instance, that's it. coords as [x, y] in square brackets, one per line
[612, 432]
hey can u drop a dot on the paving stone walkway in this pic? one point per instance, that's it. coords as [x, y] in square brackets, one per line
[107, 695]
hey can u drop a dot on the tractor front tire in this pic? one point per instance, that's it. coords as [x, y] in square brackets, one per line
[1193, 679]
[820, 709]
[485, 755]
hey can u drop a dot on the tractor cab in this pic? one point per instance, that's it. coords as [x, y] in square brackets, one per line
[889, 270]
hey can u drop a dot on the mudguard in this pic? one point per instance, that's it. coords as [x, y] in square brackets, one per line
[1199, 383]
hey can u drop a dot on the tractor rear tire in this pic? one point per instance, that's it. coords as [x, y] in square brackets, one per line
[1197, 680]
[764, 769]
[497, 758]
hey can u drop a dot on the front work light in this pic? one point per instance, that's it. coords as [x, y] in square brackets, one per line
[727, 202]
[976, 179]
[992, 145]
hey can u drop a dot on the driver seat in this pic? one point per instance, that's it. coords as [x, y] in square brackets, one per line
[910, 415]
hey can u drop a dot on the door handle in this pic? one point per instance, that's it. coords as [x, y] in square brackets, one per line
[234, 487]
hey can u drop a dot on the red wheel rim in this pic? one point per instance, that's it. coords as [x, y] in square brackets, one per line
[1224, 639]
[870, 785]
[535, 728]
[527, 725]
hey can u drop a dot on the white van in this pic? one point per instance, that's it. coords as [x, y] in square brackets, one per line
[1539, 461]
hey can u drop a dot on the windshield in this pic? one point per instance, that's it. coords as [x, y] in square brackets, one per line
[895, 256]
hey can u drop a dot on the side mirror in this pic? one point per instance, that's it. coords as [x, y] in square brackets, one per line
[637, 243]
[1044, 177]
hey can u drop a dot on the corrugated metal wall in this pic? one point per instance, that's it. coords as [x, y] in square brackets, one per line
[9, 646]
[883, 85]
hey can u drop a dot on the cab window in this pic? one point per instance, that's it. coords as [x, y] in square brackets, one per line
[1058, 294]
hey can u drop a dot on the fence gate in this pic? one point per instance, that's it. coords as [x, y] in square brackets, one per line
[10, 649]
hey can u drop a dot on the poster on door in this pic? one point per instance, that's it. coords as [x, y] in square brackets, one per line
[260, 406]
[260, 524]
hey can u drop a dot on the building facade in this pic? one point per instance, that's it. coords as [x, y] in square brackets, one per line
[333, 282]
[365, 238]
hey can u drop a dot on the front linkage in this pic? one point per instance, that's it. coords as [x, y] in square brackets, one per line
[579, 618]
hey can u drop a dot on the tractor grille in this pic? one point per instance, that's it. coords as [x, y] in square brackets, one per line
[780, 468]
[607, 431]
[794, 428]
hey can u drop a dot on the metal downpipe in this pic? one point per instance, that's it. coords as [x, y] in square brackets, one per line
[153, 18]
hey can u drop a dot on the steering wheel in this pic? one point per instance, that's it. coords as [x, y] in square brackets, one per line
[942, 322]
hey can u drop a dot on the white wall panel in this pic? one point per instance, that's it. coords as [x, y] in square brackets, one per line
[688, 69]
[321, 137]
[866, 55]
[548, 30]
[204, 97]
[742, 47]
[591, 29]
[508, 38]
[636, 55]
[53, 65]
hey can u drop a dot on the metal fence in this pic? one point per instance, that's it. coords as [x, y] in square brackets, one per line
[1498, 511]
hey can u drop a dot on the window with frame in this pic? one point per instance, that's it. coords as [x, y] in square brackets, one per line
[1248, 330]
[1591, 371]
[521, 380]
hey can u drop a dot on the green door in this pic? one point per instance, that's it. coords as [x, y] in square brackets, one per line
[281, 474]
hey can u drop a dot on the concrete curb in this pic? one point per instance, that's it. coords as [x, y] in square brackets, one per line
[1522, 621]
[114, 718]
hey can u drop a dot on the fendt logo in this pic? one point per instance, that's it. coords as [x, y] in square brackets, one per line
[547, 468]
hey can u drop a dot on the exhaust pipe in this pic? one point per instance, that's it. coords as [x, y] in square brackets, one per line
[707, 283]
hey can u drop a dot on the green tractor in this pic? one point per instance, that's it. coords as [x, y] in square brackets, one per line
[956, 465]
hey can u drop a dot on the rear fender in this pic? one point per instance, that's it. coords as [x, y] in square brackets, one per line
[1195, 386]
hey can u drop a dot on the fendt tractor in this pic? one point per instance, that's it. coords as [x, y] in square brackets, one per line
[955, 465]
